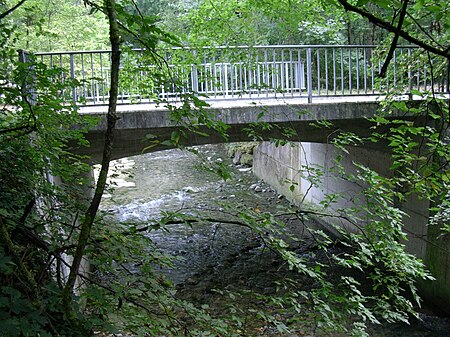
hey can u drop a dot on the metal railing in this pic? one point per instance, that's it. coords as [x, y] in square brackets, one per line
[243, 72]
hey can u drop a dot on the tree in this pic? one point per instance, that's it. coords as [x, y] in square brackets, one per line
[36, 214]
[58, 25]
[39, 219]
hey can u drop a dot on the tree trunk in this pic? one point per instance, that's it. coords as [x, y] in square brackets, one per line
[86, 226]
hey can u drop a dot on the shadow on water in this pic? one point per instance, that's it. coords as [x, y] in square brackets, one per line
[217, 255]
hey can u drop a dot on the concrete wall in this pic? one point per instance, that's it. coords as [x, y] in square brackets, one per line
[280, 167]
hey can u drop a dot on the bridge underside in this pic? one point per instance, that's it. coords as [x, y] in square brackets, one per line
[137, 122]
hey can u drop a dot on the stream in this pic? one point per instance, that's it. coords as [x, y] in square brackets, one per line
[222, 256]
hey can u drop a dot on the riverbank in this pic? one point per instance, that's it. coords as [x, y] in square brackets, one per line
[222, 264]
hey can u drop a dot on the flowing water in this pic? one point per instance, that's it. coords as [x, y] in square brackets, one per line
[216, 255]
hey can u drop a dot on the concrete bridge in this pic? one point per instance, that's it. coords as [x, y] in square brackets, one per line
[284, 86]
[136, 122]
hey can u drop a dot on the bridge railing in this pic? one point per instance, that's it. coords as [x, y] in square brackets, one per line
[243, 72]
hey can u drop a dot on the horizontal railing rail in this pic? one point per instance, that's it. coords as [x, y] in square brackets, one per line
[243, 72]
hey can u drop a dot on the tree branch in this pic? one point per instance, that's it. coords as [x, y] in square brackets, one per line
[23, 270]
[390, 54]
[387, 26]
[424, 30]
[9, 11]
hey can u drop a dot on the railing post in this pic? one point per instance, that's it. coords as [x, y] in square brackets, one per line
[448, 76]
[309, 74]
[194, 79]
[22, 55]
[194, 74]
[72, 76]
[29, 87]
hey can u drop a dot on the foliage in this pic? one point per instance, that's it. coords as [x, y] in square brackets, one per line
[252, 22]
[39, 219]
[58, 25]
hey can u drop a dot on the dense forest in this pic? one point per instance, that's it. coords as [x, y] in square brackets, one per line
[68, 25]
[49, 224]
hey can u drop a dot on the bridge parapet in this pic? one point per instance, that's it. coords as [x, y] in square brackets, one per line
[243, 72]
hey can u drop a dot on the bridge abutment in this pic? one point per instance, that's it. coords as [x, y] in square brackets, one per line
[281, 168]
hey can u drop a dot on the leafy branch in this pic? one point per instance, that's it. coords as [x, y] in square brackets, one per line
[12, 9]
[445, 52]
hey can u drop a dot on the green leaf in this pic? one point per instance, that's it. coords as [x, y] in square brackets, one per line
[361, 3]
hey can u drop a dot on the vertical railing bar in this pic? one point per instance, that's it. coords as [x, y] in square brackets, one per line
[83, 76]
[241, 87]
[60, 67]
[291, 72]
[282, 72]
[217, 77]
[232, 78]
[326, 71]
[342, 71]
[214, 75]
[395, 67]
[334, 70]
[245, 77]
[274, 72]
[249, 71]
[194, 74]
[350, 70]
[357, 70]
[257, 74]
[211, 79]
[300, 72]
[402, 77]
[51, 61]
[201, 83]
[381, 80]
[108, 75]
[195, 81]
[372, 71]
[446, 79]
[266, 72]
[206, 75]
[224, 78]
[101, 76]
[93, 86]
[309, 74]
[236, 79]
[255, 80]
[418, 79]
[318, 71]
[365, 69]
[425, 73]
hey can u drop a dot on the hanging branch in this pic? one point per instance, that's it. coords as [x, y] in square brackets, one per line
[12, 9]
[387, 26]
[89, 217]
[390, 54]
